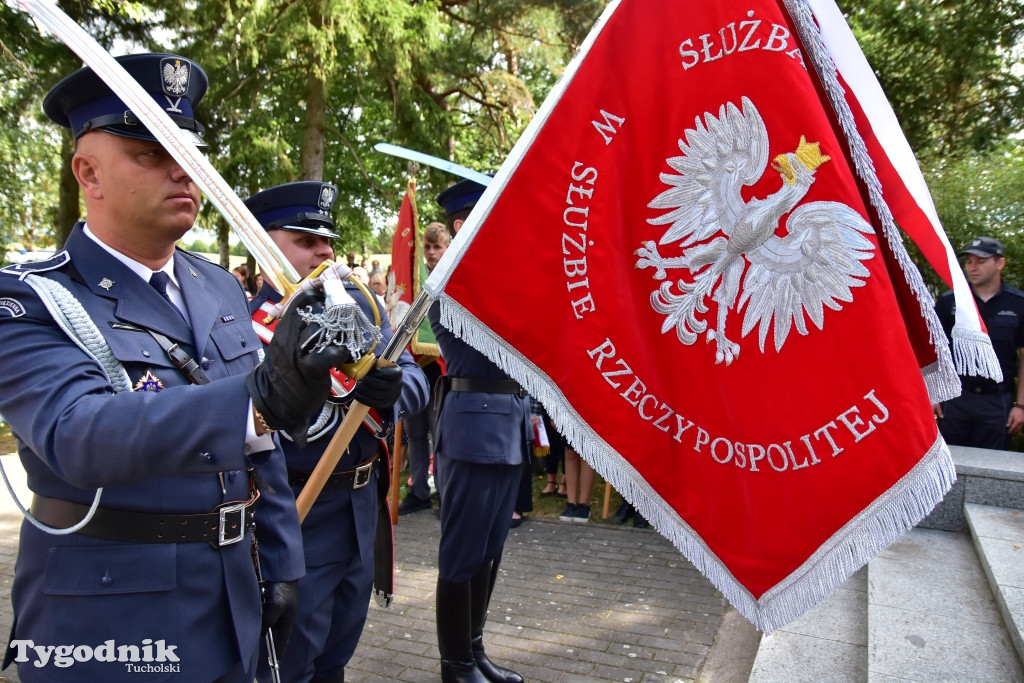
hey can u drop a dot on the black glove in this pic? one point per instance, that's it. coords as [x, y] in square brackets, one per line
[291, 384]
[380, 388]
[280, 605]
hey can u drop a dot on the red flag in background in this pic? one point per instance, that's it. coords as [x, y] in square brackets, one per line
[707, 298]
[406, 277]
[402, 279]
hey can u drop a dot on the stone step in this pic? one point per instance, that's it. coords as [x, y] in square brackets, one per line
[828, 643]
[998, 535]
[932, 615]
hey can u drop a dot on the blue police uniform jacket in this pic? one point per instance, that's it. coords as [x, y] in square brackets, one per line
[478, 427]
[151, 452]
[343, 521]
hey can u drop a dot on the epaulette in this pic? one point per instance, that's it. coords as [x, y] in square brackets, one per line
[23, 270]
[1012, 290]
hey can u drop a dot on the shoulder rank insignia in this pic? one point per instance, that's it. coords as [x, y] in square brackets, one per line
[149, 382]
[23, 270]
[11, 308]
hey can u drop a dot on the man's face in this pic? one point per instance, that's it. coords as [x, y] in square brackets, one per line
[303, 250]
[982, 271]
[378, 285]
[432, 253]
[142, 189]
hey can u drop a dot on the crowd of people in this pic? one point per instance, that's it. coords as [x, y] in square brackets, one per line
[169, 415]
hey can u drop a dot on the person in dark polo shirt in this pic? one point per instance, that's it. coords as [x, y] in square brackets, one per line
[987, 413]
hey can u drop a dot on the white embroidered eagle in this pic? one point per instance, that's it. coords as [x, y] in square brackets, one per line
[176, 77]
[815, 265]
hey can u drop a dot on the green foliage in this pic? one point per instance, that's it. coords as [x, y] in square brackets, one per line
[951, 69]
[983, 194]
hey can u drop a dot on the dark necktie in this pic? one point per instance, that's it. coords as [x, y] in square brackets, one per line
[159, 281]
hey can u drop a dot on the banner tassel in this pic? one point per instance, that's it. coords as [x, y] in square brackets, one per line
[973, 354]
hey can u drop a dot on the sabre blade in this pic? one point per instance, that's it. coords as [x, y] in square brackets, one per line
[433, 162]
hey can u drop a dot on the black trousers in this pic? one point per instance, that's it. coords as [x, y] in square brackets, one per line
[977, 420]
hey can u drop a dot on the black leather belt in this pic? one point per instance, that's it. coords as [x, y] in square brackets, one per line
[224, 526]
[355, 478]
[487, 386]
[982, 389]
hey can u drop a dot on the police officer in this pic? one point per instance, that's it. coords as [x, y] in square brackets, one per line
[987, 412]
[150, 398]
[338, 534]
[482, 442]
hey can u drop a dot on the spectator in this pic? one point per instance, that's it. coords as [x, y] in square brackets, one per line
[378, 286]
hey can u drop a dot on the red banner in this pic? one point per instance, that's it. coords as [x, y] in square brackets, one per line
[707, 301]
[403, 277]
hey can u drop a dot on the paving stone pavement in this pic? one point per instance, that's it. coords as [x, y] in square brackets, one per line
[574, 603]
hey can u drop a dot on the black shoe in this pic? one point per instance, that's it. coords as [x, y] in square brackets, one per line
[413, 503]
[639, 522]
[624, 513]
[582, 514]
[516, 521]
[569, 513]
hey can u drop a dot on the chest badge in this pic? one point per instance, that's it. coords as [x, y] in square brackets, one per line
[149, 382]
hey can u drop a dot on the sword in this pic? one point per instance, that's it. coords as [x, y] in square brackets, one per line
[277, 268]
[434, 162]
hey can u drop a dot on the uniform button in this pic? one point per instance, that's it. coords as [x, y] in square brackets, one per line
[206, 363]
[485, 406]
[208, 457]
[244, 343]
[232, 475]
[145, 353]
[107, 579]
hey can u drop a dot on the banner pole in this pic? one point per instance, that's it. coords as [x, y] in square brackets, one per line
[396, 470]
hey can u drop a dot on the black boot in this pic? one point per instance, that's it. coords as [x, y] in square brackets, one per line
[639, 522]
[453, 633]
[483, 586]
[336, 677]
[624, 513]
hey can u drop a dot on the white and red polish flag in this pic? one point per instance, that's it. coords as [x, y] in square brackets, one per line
[711, 298]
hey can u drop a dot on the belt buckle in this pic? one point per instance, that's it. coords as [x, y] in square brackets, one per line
[362, 475]
[229, 513]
